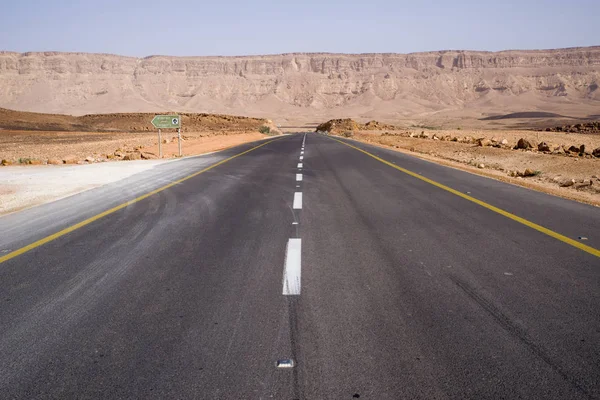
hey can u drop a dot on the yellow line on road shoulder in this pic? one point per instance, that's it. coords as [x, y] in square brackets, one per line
[119, 207]
[539, 228]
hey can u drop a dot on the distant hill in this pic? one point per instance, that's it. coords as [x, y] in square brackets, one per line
[387, 87]
[123, 122]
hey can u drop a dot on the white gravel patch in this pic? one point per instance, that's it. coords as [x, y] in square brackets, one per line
[22, 187]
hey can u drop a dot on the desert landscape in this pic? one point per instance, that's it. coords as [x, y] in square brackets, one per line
[467, 109]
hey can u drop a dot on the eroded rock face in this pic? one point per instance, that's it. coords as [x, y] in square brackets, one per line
[80, 83]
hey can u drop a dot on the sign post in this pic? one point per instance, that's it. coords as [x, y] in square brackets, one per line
[159, 145]
[167, 122]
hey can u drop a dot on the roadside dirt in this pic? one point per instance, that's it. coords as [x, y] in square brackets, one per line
[25, 147]
[571, 176]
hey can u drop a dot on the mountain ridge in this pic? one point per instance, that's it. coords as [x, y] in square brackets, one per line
[386, 86]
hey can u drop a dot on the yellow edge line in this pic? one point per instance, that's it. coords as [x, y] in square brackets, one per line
[539, 228]
[119, 207]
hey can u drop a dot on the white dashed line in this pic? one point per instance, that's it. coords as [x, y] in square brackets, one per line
[302, 152]
[297, 201]
[301, 158]
[292, 268]
[299, 177]
[299, 165]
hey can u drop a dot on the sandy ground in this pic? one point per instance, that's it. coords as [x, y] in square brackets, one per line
[27, 186]
[498, 163]
[42, 146]
[23, 186]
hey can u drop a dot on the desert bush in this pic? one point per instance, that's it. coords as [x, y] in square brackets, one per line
[264, 130]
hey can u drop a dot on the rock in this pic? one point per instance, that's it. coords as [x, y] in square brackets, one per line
[90, 159]
[134, 155]
[151, 156]
[35, 161]
[567, 183]
[119, 154]
[584, 183]
[504, 142]
[573, 149]
[412, 134]
[523, 144]
[558, 150]
[481, 166]
[54, 161]
[582, 149]
[596, 152]
[454, 139]
[543, 146]
[557, 179]
[424, 135]
[435, 137]
[528, 172]
[70, 160]
[6, 162]
[166, 141]
[484, 142]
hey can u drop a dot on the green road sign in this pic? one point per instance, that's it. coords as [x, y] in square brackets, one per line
[166, 121]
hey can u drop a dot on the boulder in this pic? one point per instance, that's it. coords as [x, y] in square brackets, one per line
[90, 159]
[134, 155]
[148, 156]
[54, 161]
[504, 142]
[483, 142]
[35, 161]
[567, 183]
[543, 146]
[596, 152]
[480, 166]
[584, 183]
[573, 149]
[528, 172]
[70, 160]
[523, 144]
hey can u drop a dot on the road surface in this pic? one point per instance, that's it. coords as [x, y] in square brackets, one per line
[377, 274]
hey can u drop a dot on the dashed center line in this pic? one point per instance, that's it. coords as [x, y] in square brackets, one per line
[297, 201]
[292, 268]
[293, 251]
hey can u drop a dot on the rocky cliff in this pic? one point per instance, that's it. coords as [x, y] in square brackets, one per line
[385, 86]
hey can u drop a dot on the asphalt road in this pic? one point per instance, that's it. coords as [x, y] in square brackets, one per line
[377, 284]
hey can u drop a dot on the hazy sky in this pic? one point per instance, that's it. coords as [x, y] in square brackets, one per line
[141, 28]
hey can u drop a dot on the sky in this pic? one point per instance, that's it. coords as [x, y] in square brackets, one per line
[220, 27]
